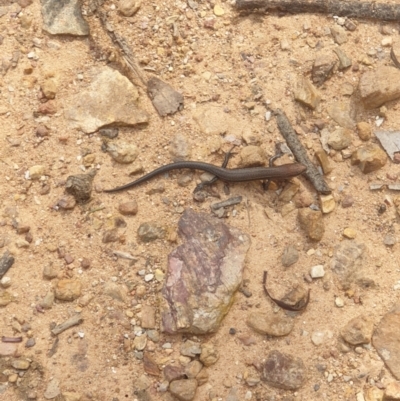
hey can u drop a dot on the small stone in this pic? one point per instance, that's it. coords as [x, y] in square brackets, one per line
[339, 34]
[209, 355]
[68, 290]
[324, 161]
[392, 392]
[218, 10]
[328, 203]
[339, 302]
[67, 202]
[389, 240]
[317, 271]
[271, 324]
[71, 396]
[387, 41]
[47, 301]
[139, 343]
[252, 156]
[49, 88]
[369, 157]
[306, 93]
[344, 60]
[347, 201]
[319, 337]
[5, 298]
[340, 139]
[85, 263]
[129, 208]
[52, 390]
[364, 131]
[373, 394]
[192, 369]
[20, 364]
[129, 7]
[148, 317]
[183, 390]
[35, 172]
[122, 152]
[322, 68]
[190, 348]
[283, 371]
[172, 373]
[349, 233]
[110, 236]
[311, 221]
[358, 330]
[148, 232]
[30, 343]
[5, 282]
[290, 255]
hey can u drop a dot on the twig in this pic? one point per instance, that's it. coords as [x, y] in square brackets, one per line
[5, 339]
[228, 202]
[357, 9]
[72, 321]
[300, 153]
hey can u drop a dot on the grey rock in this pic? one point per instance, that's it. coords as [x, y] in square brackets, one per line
[122, 152]
[192, 369]
[190, 348]
[148, 232]
[284, 371]
[344, 60]
[203, 274]
[341, 113]
[339, 34]
[6, 261]
[118, 105]
[340, 139]
[63, 17]
[322, 68]
[209, 355]
[52, 389]
[290, 255]
[386, 340]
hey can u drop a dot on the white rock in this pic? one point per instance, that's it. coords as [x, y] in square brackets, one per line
[317, 271]
[339, 302]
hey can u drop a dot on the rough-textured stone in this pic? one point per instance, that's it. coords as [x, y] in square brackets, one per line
[183, 390]
[290, 255]
[68, 289]
[358, 330]
[323, 68]
[203, 273]
[379, 86]
[340, 138]
[306, 93]
[211, 120]
[364, 131]
[311, 221]
[129, 7]
[386, 340]
[347, 262]
[209, 355]
[148, 317]
[369, 157]
[252, 156]
[64, 18]
[283, 371]
[118, 104]
[270, 323]
[341, 113]
[392, 392]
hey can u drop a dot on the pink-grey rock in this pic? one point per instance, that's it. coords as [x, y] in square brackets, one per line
[379, 86]
[110, 99]
[386, 340]
[283, 371]
[203, 274]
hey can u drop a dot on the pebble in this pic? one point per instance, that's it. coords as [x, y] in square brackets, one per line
[129, 7]
[5, 282]
[364, 131]
[20, 364]
[358, 330]
[339, 34]
[317, 271]
[37, 171]
[339, 302]
[68, 289]
[306, 93]
[369, 158]
[311, 221]
[340, 139]
[148, 277]
[349, 233]
[209, 355]
[218, 10]
[183, 390]
[319, 337]
[190, 348]
[148, 317]
[271, 324]
[328, 203]
[129, 208]
[148, 232]
[290, 255]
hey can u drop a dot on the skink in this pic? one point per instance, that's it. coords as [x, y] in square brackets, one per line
[225, 174]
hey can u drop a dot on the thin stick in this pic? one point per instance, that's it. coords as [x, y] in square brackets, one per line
[300, 153]
[72, 321]
[356, 9]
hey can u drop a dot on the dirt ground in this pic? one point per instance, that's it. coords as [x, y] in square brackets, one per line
[225, 66]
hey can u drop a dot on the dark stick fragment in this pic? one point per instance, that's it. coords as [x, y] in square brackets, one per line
[356, 9]
[5, 339]
[299, 306]
[300, 153]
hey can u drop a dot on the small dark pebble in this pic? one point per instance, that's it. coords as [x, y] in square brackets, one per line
[382, 208]
[347, 201]
[85, 263]
[120, 222]
[232, 331]
[316, 387]
[30, 343]
[23, 229]
[42, 131]
[28, 237]
[44, 189]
